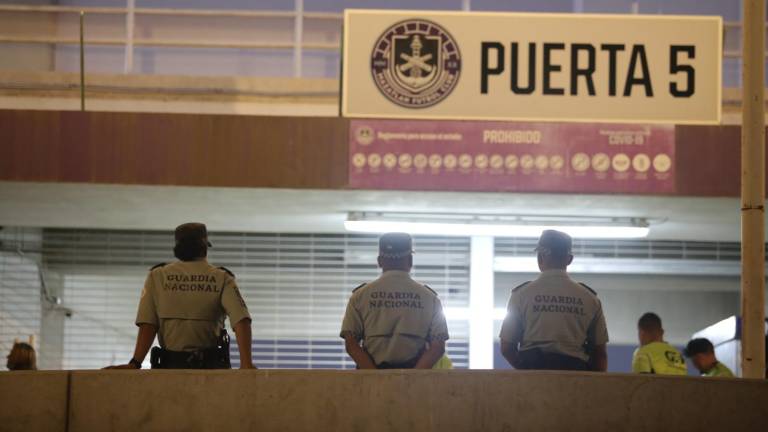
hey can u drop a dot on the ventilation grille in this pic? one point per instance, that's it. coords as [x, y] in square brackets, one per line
[20, 307]
[645, 249]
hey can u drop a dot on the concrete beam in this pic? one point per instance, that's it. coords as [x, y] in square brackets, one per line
[33, 401]
[411, 400]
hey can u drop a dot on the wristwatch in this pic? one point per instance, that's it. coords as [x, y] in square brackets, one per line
[135, 362]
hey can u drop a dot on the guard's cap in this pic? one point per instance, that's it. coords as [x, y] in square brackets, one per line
[554, 242]
[395, 245]
[192, 231]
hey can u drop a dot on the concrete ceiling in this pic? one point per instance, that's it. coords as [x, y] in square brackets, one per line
[284, 210]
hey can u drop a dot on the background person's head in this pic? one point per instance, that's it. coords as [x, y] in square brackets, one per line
[649, 329]
[702, 354]
[191, 241]
[22, 357]
[396, 252]
[554, 250]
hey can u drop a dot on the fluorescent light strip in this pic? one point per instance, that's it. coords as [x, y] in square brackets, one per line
[493, 230]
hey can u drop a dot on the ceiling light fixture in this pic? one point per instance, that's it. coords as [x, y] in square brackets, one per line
[496, 225]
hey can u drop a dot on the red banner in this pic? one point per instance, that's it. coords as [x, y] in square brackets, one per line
[514, 157]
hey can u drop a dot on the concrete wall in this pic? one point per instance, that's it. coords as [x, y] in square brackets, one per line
[378, 401]
[33, 401]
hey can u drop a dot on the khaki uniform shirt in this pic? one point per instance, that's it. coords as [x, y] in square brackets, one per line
[188, 301]
[555, 314]
[395, 317]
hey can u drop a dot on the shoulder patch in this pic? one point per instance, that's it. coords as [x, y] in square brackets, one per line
[227, 271]
[358, 287]
[157, 266]
[520, 286]
[427, 287]
[587, 287]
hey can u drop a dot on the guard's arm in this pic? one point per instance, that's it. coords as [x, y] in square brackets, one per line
[243, 336]
[358, 354]
[438, 334]
[144, 339]
[512, 333]
[431, 355]
[510, 352]
[598, 360]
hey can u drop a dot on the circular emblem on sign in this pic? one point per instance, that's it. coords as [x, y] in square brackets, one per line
[358, 160]
[526, 161]
[497, 162]
[450, 161]
[481, 161]
[374, 160]
[390, 160]
[405, 160]
[580, 162]
[511, 161]
[420, 161]
[415, 63]
[465, 161]
[601, 162]
[621, 162]
[662, 163]
[641, 162]
[541, 162]
[364, 135]
[556, 162]
[435, 161]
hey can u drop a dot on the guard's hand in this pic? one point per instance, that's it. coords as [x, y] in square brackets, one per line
[248, 366]
[124, 366]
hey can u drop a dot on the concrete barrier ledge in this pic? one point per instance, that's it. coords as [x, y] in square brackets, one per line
[300, 400]
[280, 400]
[33, 401]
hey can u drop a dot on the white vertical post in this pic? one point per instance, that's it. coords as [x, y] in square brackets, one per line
[129, 25]
[481, 303]
[578, 6]
[635, 7]
[298, 35]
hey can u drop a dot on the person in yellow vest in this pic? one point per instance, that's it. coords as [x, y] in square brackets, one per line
[655, 356]
[702, 355]
[444, 363]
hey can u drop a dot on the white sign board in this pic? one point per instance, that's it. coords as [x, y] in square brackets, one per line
[515, 66]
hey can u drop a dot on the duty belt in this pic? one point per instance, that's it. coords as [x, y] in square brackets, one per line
[410, 364]
[211, 358]
[538, 359]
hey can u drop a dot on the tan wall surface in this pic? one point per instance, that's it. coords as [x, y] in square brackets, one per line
[411, 401]
[33, 401]
[254, 151]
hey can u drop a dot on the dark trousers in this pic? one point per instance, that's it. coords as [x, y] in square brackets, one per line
[538, 359]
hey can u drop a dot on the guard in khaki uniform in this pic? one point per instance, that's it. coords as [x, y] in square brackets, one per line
[399, 321]
[554, 322]
[185, 304]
